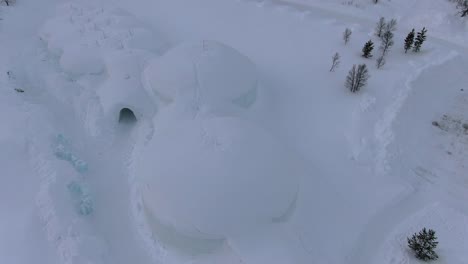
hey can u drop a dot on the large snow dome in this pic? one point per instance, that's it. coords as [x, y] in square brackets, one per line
[207, 72]
[217, 177]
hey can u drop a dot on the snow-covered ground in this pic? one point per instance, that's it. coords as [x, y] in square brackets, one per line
[245, 148]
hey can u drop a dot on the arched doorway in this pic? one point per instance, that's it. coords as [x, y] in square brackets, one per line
[127, 116]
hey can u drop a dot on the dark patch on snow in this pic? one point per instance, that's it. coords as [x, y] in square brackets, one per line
[127, 116]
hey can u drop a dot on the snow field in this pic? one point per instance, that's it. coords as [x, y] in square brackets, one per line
[451, 230]
[371, 161]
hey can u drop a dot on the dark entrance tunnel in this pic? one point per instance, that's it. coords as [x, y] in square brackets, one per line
[127, 116]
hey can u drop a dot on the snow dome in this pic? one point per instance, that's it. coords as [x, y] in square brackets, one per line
[207, 72]
[223, 176]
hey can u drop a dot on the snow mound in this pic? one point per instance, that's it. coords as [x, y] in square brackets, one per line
[78, 60]
[123, 88]
[90, 26]
[208, 185]
[207, 72]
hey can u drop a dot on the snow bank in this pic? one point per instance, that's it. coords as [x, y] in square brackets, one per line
[223, 177]
[207, 72]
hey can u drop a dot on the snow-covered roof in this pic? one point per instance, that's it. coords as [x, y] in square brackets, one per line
[206, 72]
[217, 177]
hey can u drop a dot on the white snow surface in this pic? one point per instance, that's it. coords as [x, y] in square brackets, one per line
[215, 189]
[246, 149]
[204, 72]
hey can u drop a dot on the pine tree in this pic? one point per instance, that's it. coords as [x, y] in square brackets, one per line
[367, 49]
[357, 78]
[409, 40]
[347, 35]
[379, 28]
[423, 244]
[420, 38]
[387, 42]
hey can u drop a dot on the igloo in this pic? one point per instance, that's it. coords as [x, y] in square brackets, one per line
[217, 177]
[205, 72]
[122, 94]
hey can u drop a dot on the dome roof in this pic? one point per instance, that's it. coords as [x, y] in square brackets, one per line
[217, 176]
[207, 72]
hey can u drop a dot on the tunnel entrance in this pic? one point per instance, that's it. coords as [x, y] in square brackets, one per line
[127, 116]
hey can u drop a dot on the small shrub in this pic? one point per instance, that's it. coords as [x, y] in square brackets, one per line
[409, 40]
[347, 35]
[7, 2]
[420, 38]
[423, 244]
[380, 27]
[387, 42]
[335, 62]
[380, 62]
[367, 49]
[357, 78]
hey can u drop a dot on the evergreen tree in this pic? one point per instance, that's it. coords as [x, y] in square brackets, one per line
[357, 78]
[367, 49]
[347, 35]
[420, 38]
[423, 244]
[379, 28]
[409, 40]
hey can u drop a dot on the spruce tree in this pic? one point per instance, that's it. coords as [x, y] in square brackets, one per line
[409, 40]
[423, 244]
[420, 38]
[367, 49]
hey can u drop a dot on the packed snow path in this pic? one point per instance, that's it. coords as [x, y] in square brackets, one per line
[84, 192]
[108, 234]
